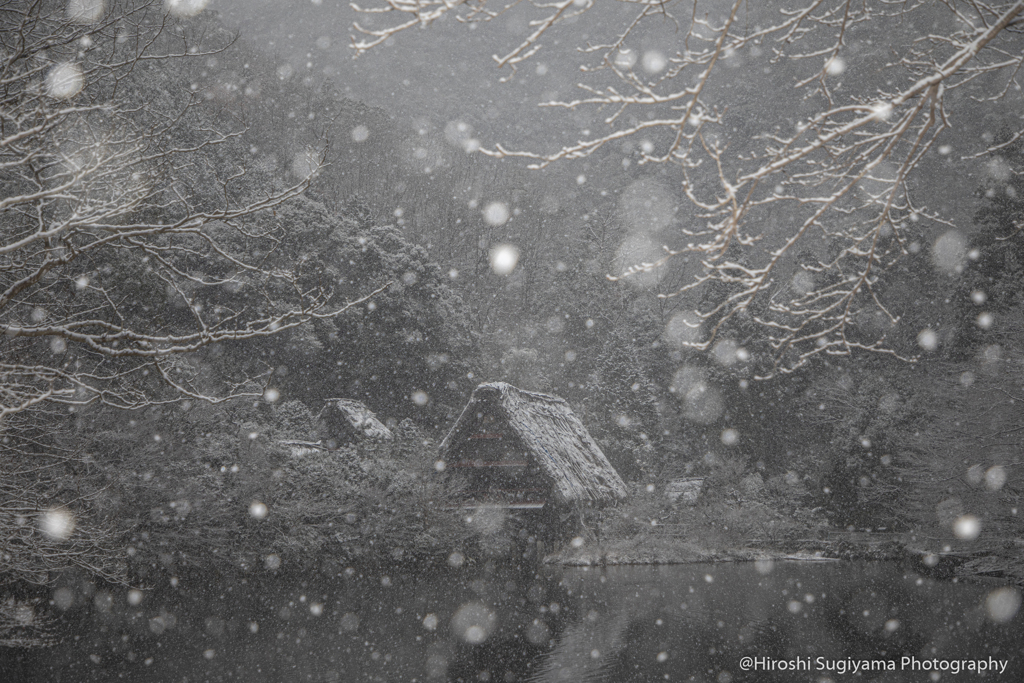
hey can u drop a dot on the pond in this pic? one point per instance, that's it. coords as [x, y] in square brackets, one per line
[797, 621]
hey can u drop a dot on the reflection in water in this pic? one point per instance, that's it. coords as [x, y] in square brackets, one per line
[682, 623]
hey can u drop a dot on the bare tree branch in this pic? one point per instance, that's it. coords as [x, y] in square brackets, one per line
[844, 176]
[115, 197]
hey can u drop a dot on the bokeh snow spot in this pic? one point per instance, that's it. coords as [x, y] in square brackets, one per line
[57, 523]
[654, 61]
[928, 340]
[685, 378]
[457, 132]
[999, 169]
[995, 477]
[85, 11]
[727, 352]
[949, 253]
[182, 9]
[1002, 604]
[625, 59]
[63, 598]
[637, 256]
[682, 329]
[504, 258]
[802, 282]
[64, 81]
[881, 111]
[646, 206]
[460, 134]
[967, 527]
[496, 213]
[835, 66]
[473, 622]
[306, 163]
[702, 402]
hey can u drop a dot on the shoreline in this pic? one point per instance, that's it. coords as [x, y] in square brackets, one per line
[645, 552]
[954, 565]
[584, 558]
[724, 557]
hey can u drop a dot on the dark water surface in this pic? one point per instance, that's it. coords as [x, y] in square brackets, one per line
[493, 623]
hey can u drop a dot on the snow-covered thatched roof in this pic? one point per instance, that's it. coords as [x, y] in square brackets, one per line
[26, 624]
[544, 427]
[358, 419]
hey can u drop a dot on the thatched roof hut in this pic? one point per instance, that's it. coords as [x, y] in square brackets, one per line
[530, 442]
[350, 420]
[26, 624]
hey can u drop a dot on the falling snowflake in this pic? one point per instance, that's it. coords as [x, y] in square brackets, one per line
[835, 66]
[64, 81]
[504, 259]
[85, 11]
[360, 133]
[183, 9]
[654, 61]
[496, 213]
[57, 523]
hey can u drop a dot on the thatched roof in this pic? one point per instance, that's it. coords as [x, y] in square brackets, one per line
[303, 448]
[26, 624]
[544, 427]
[359, 421]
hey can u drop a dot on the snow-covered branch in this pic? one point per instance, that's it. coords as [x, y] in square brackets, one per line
[871, 95]
[131, 235]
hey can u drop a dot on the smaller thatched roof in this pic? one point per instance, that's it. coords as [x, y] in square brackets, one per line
[26, 624]
[546, 428]
[358, 421]
[302, 448]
